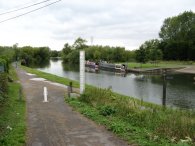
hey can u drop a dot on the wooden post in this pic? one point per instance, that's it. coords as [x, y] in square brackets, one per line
[164, 89]
[70, 84]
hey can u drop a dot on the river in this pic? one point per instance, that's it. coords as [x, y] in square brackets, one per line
[180, 87]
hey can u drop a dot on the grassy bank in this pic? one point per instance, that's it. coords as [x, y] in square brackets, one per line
[12, 116]
[51, 77]
[161, 64]
[138, 122]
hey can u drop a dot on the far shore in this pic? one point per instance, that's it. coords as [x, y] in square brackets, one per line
[190, 70]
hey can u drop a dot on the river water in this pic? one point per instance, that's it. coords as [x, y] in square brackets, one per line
[180, 87]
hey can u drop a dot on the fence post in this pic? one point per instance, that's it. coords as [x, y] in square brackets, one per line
[164, 89]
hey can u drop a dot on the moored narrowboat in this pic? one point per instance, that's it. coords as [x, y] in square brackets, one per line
[103, 65]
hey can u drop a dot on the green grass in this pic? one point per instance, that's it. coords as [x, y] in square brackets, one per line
[162, 64]
[12, 117]
[51, 77]
[138, 123]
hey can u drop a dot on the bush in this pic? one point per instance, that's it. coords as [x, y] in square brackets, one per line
[107, 110]
[3, 86]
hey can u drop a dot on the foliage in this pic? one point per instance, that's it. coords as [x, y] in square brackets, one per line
[79, 44]
[141, 55]
[178, 37]
[156, 123]
[55, 53]
[5, 63]
[12, 117]
[149, 51]
[112, 54]
[7, 52]
[107, 110]
[3, 86]
[33, 56]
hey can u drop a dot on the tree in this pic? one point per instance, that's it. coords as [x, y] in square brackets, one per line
[178, 37]
[141, 55]
[54, 53]
[149, 50]
[80, 44]
[67, 49]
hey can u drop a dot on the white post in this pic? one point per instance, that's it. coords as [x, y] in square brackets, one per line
[82, 71]
[45, 94]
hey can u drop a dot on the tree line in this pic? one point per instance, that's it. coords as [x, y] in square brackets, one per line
[70, 53]
[177, 40]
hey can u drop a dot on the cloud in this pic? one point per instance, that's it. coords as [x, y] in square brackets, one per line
[112, 22]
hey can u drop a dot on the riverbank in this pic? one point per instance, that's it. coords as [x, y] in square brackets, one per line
[161, 64]
[12, 115]
[136, 121]
[190, 70]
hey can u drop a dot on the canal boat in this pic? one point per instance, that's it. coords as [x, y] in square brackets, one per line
[92, 65]
[103, 65]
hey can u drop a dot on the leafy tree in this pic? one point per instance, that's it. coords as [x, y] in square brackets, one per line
[66, 51]
[80, 44]
[95, 53]
[141, 55]
[73, 57]
[34, 56]
[178, 37]
[54, 53]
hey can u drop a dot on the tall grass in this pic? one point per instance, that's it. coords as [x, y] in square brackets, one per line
[171, 124]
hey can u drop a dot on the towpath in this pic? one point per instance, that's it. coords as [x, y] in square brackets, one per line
[190, 70]
[54, 123]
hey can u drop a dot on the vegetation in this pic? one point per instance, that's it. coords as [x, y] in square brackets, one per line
[178, 37]
[160, 64]
[55, 53]
[33, 56]
[177, 40]
[7, 53]
[138, 122]
[149, 51]
[70, 54]
[3, 87]
[3, 78]
[12, 116]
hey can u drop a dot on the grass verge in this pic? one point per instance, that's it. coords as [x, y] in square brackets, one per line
[51, 77]
[137, 123]
[162, 64]
[12, 116]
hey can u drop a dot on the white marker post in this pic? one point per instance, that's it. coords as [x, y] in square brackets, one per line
[82, 72]
[45, 94]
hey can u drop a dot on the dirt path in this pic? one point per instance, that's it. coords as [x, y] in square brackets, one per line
[54, 123]
[190, 70]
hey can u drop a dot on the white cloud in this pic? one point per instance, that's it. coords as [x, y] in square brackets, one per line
[111, 22]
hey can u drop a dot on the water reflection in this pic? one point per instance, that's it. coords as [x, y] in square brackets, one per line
[179, 91]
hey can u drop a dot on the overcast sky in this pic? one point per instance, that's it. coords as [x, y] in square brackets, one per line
[126, 23]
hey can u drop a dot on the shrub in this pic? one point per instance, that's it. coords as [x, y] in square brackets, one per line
[3, 86]
[107, 110]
